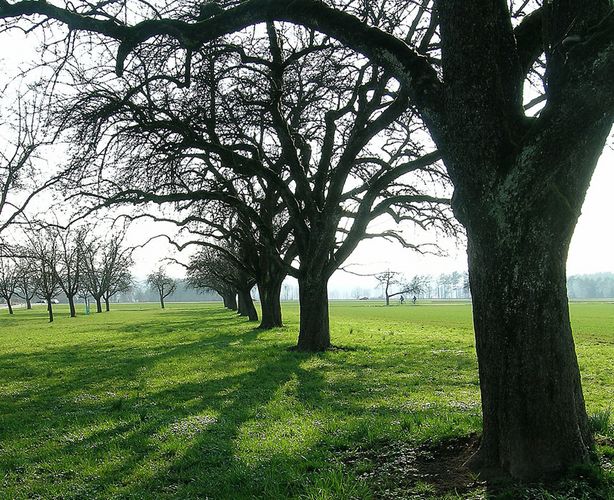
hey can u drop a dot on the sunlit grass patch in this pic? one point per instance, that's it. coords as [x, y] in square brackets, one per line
[193, 401]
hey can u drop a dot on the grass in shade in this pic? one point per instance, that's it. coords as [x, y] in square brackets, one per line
[194, 402]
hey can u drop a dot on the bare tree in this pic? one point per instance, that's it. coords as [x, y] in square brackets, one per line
[219, 270]
[22, 139]
[9, 280]
[162, 283]
[116, 263]
[93, 278]
[43, 249]
[70, 269]
[417, 285]
[387, 280]
[26, 279]
[323, 135]
[106, 268]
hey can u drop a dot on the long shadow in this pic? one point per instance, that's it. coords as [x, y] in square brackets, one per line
[212, 466]
[184, 437]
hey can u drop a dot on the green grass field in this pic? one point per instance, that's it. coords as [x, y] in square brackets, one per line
[193, 402]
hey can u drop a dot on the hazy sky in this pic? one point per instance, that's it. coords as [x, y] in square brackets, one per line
[592, 248]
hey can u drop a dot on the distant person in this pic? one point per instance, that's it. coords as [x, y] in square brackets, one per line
[414, 300]
[402, 300]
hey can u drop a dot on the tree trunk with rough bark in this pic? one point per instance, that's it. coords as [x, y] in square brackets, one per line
[535, 422]
[28, 304]
[107, 304]
[98, 304]
[231, 301]
[519, 187]
[71, 306]
[246, 305]
[270, 292]
[314, 332]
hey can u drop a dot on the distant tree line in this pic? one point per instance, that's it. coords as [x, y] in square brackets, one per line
[70, 262]
[591, 286]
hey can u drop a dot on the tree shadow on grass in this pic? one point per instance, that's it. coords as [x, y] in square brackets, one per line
[234, 418]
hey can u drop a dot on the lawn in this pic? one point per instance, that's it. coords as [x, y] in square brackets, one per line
[194, 402]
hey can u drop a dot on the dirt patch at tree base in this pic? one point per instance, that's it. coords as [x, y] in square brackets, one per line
[438, 470]
[403, 470]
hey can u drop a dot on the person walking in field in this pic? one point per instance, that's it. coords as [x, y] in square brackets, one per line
[402, 300]
[414, 300]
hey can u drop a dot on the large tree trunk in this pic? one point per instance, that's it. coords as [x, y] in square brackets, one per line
[230, 301]
[246, 305]
[9, 305]
[161, 301]
[535, 422]
[98, 304]
[28, 303]
[314, 334]
[71, 306]
[270, 292]
[519, 187]
[107, 304]
[241, 306]
[50, 310]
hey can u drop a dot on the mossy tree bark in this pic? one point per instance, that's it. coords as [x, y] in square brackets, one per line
[519, 187]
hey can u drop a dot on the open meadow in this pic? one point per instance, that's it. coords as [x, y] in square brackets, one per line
[194, 402]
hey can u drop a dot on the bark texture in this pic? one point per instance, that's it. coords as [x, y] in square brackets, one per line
[270, 304]
[314, 333]
[246, 305]
[519, 187]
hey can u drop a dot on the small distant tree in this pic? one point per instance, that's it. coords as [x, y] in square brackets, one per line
[26, 280]
[70, 268]
[44, 252]
[162, 283]
[106, 266]
[387, 280]
[92, 272]
[8, 281]
[417, 285]
[116, 264]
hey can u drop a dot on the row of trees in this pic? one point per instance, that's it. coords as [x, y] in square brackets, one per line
[290, 140]
[53, 261]
[275, 161]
